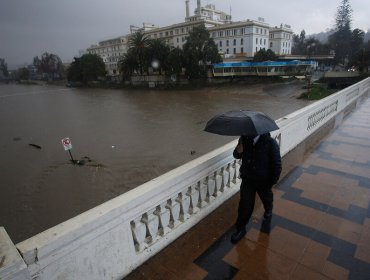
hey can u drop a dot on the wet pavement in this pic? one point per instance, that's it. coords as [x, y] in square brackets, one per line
[320, 227]
[126, 138]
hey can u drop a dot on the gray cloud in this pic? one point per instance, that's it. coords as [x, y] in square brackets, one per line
[28, 28]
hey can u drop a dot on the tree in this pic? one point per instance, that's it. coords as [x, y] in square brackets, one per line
[340, 40]
[175, 62]
[49, 65]
[362, 58]
[23, 73]
[298, 46]
[199, 51]
[3, 68]
[263, 55]
[157, 54]
[357, 41]
[138, 46]
[308, 46]
[86, 68]
[128, 64]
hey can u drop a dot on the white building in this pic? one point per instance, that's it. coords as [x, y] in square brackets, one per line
[245, 38]
[234, 39]
[281, 39]
[111, 51]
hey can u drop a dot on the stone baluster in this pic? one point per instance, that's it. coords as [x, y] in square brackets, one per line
[212, 191]
[237, 168]
[203, 189]
[226, 178]
[164, 217]
[174, 206]
[152, 224]
[184, 199]
[232, 173]
[218, 181]
[193, 193]
[138, 229]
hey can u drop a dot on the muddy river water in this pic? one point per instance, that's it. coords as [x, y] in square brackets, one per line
[126, 137]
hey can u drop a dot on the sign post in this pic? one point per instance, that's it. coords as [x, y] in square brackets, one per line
[67, 145]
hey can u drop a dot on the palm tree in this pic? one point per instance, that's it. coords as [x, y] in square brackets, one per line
[158, 52]
[199, 51]
[128, 64]
[138, 45]
[175, 62]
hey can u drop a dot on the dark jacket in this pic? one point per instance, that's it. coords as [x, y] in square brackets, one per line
[261, 163]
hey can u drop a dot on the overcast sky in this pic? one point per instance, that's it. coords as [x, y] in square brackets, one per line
[63, 27]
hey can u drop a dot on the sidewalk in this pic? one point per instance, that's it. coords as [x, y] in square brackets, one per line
[320, 228]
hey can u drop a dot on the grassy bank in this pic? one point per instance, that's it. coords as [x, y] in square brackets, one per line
[317, 92]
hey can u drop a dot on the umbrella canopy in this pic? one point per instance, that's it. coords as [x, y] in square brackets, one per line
[241, 122]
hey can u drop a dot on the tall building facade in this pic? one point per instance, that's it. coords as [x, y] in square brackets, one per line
[240, 39]
[111, 51]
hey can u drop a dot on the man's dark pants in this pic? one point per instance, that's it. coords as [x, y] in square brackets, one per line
[248, 192]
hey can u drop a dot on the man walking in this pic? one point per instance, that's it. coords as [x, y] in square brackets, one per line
[260, 170]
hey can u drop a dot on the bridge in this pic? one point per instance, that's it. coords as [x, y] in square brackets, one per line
[178, 225]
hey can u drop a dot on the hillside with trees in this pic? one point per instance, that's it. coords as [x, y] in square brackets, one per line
[350, 46]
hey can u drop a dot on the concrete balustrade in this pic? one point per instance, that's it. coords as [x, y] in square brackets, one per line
[110, 240]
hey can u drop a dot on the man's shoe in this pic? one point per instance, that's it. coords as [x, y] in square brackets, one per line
[239, 234]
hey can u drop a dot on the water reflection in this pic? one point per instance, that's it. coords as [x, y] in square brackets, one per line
[130, 137]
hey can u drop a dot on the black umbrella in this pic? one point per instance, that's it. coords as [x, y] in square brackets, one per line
[242, 122]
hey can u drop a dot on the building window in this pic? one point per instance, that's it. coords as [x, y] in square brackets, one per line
[241, 50]
[220, 43]
[270, 44]
[227, 51]
[264, 41]
[256, 49]
[256, 40]
[241, 41]
[234, 51]
[234, 42]
[227, 43]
